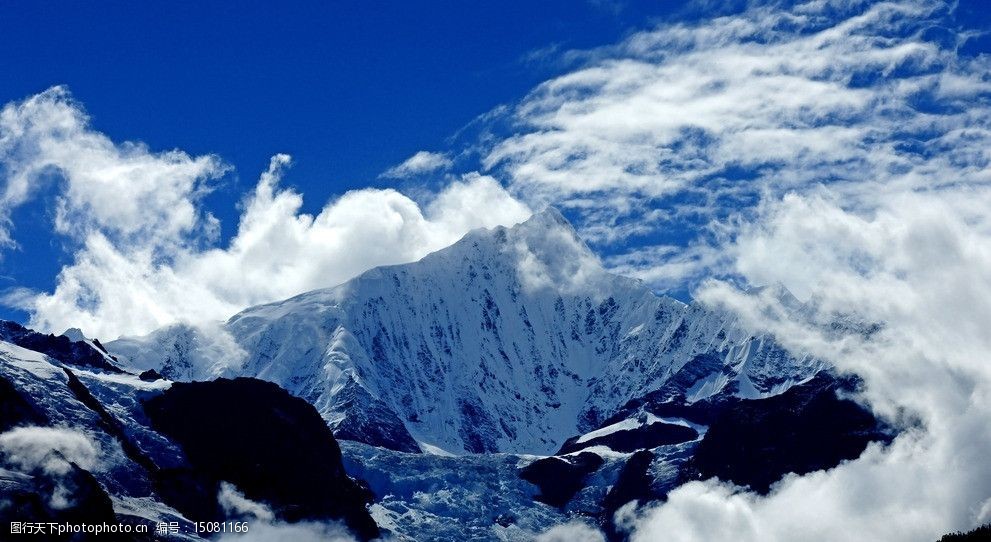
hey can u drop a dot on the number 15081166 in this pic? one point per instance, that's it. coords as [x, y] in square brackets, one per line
[221, 526]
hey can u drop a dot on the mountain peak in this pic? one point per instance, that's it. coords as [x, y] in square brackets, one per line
[75, 334]
[545, 251]
[549, 220]
[549, 217]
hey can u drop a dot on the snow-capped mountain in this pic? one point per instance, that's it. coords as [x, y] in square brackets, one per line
[510, 340]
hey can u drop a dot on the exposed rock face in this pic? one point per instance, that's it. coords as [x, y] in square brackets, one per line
[274, 447]
[809, 427]
[559, 478]
[150, 375]
[16, 409]
[42, 403]
[633, 484]
[60, 347]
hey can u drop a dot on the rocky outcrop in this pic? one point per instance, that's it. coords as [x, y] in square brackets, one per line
[274, 447]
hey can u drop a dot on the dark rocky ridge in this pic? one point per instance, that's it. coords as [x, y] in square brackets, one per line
[57, 347]
[150, 375]
[380, 428]
[17, 410]
[29, 496]
[750, 442]
[980, 534]
[32, 501]
[190, 492]
[633, 484]
[560, 478]
[630, 440]
[274, 447]
[808, 428]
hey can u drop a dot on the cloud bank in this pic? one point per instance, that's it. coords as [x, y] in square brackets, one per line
[571, 532]
[148, 253]
[236, 505]
[920, 268]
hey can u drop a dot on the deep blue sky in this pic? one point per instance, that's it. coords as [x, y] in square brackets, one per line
[347, 88]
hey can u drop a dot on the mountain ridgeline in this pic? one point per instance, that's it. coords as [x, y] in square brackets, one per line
[511, 340]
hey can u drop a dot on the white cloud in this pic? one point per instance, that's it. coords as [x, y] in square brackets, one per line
[574, 531]
[138, 218]
[125, 191]
[683, 124]
[51, 450]
[666, 266]
[920, 265]
[418, 164]
[236, 505]
[32, 447]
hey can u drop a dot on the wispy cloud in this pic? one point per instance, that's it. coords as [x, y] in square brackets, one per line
[574, 531]
[420, 163]
[919, 264]
[126, 191]
[31, 448]
[729, 110]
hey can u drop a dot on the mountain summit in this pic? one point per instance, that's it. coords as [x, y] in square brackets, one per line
[510, 340]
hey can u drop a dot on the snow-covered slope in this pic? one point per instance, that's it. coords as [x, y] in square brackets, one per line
[510, 340]
[55, 425]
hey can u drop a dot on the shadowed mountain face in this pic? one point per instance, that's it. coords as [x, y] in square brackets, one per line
[17, 410]
[510, 340]
[560, 478]
[36, 500]
[79, 353]
[668, 441]
[807, 428]
[274, 447]
[87, 445]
